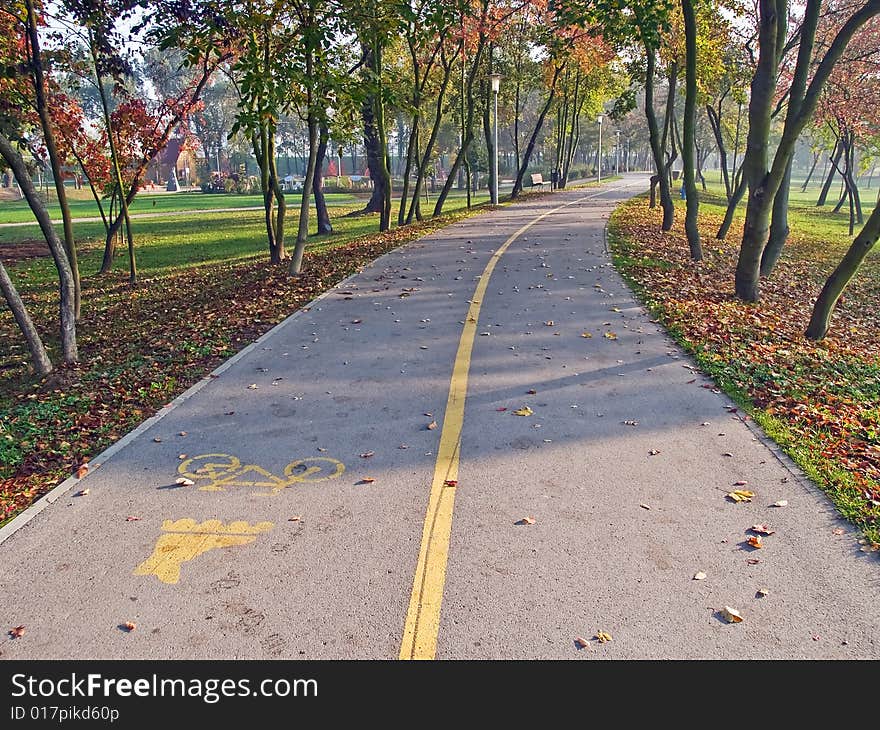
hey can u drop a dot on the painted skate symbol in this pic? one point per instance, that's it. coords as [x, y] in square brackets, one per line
[216, 472]
[186, 539]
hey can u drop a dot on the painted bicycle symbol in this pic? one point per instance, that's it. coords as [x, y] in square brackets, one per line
[217, 472]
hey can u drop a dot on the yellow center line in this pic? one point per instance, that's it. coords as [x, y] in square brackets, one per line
[423, 616]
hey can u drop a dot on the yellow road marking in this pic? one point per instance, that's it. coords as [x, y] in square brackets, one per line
[186, 539]
[225, 470]
[423, 616]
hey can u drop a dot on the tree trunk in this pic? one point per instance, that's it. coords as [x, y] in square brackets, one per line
[843, 274]
[836, 154]
[756, 163]
[321, 213]
[47, 128]
[779, 229]
[816, 157]
[688, 133]
[303, 231]
[715, 123]
[518, 183]
[39, 356]
[67, 313]
[468, 130]
[275, 184]
[656, 142]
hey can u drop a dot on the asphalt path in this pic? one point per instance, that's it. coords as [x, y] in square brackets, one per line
[352, 484]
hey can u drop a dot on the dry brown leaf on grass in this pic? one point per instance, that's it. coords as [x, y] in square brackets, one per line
[524, 411]
[17, 632]
[731, 615]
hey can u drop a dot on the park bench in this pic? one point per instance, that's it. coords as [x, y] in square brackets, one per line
[538, 179]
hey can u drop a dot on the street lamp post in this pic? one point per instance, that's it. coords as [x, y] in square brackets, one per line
[599, 153]
[618, 152]
[496, 84]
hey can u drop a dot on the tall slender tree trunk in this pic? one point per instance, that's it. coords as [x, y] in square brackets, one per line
[688, 133]
[302, 235]
[842, 275]
[48, 129]
[779, 228]
[816, 157]
[530, 147]
[39, 357]
[66, 309]
[278, 193]
[321, 212]
[714, 116]
[836, 154]
[656, 143]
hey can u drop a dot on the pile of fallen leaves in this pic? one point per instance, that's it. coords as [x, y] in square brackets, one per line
[821, 401]
[141, 347]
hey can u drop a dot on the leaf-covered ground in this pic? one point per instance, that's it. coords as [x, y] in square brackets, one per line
[142, 347]
[820, 401]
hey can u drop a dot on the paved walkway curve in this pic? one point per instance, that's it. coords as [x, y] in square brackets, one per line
[329, 508]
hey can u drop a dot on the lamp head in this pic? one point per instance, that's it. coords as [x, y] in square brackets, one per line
[496, 82]
[599, 119]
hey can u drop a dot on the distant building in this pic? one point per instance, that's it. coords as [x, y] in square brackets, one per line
[178, 156]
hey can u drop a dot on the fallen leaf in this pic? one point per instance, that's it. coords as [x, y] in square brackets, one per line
[645, 506]
[838, 531]
[403, 446]
[586, 334]
[603, 637]
[181, 456]
[184, 482]
[581, 642]
[17, 632]
[525, 521]
[253, 386]
[780, 503]
[731, 615]
[740, 484]
[356, 321]
[761, 592]
[550, 323]
[726, 453]
[524, 411]
[740, 495]
[531, 392]
[762, 529]
[295, 518]
[429, 415]
[132, 518]
[700, 576]
[501, 410]
[451, 483]
[129, 626]
[432, 425]
[367, 480]
[157, 440]
[367, 454]
[182, 433]
[610, 336]
[753, 561]
[756, 542]
[81, 493]
[630, 423]
[653, 452]
[82, 470]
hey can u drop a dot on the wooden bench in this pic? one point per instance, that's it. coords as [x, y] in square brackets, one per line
[538, 179]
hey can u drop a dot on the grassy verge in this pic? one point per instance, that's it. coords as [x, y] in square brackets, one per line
[206, 291]
[819, 401]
